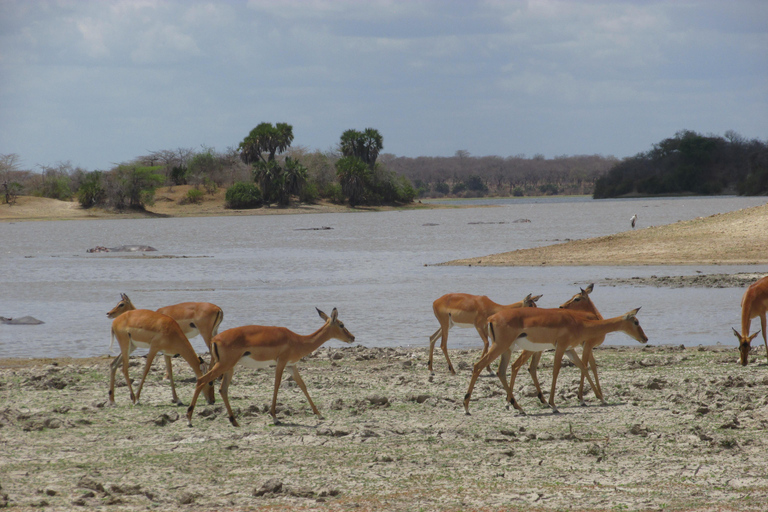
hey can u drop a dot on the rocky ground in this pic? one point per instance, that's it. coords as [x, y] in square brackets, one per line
[684, 429]
[700, 280]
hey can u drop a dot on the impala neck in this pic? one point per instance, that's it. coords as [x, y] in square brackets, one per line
[312, 342]
[602, 327]
[191, 357]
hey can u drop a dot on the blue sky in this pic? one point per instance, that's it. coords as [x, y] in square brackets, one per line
[100, 82]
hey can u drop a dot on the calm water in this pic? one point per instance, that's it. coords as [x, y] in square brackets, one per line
[274, 270]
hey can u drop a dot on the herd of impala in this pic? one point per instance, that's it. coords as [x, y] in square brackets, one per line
[522, 326]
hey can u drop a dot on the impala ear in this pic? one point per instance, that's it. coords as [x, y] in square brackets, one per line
[736, 333]
[322, 315]
[535, 298]
[588, 289]
[334, 315]
[123, 296]
[528, 298]
[631, 314]
[753, 336]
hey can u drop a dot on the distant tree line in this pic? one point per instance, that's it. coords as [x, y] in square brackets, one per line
[463, 175]
[690, 163]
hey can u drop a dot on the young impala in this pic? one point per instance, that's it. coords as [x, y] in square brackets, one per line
[258, 346]
[754, 303]
[466, 310]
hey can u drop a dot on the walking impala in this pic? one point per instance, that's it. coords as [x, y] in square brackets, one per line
[467, 310]
[258, 346]
[754, 303]
[142, 328]
[536, 329]
[579, 302]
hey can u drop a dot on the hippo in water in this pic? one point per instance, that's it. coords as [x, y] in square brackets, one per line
[24, 320]
[123, 248]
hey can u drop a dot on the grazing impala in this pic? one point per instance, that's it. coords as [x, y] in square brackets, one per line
[258, 346]
[194, 318]
[536, 329]
[467, 310]
[142, 328]
[754, 303]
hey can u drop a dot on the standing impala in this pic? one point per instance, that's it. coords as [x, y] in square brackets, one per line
[754, 303]
[467, 310]
[536, 329]
[142, 328]
[258, 346]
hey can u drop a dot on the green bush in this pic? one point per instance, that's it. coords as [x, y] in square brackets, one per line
[243, 195]
[91, 191]
[194, 196]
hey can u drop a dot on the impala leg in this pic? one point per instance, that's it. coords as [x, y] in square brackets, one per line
[169, 371]
[502, 372]
[532, 370]
[112, 371]
[494, 352]
[513, 376]
[205, 380]
[224, 392]
[300, 382]
[765, 336]
[482, 330]
[151, 357]
[588, 359]
[432, 341]
[278, 377]
[125, 355]
[559, 351]
[444, 347]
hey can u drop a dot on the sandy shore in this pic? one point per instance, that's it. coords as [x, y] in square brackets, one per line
[734, 238]
[684, 429]
[167, 204]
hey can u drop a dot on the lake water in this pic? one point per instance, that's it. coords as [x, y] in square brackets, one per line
[373, 266]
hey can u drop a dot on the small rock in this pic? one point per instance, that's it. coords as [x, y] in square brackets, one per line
[271, 486]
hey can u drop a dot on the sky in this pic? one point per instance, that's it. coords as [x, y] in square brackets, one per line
[97, 83]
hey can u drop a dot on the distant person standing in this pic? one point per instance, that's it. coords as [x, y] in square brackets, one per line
[633, 220]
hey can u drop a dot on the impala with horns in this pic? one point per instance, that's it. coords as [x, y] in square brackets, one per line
[754, 303]
[536, 329]
[466, 310]
[257, 346]
[142, 328]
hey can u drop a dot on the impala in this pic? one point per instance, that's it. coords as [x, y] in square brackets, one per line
[142, 328]
[194, 318]
[258, 346]
[536, 329]
[466, 310]
[579, 302]
[754, 303]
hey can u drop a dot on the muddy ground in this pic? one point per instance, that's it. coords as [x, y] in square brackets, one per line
[684, 429]
[699, 280]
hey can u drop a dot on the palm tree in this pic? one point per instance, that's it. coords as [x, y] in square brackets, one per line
[353, 175]
[266, 138]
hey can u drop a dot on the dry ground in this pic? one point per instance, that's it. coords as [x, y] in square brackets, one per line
[684, 429]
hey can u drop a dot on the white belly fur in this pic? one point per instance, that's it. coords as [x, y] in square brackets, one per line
[463, 326]
[256, 365]
[525, 344]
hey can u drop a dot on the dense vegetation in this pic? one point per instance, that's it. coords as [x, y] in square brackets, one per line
[358, 173]
[690, 163]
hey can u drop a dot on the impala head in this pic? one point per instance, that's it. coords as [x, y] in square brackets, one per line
[580, 301]
[338, 330]
[530, 301]
[122, 306]
[208, 390]
[744, 346]
[634, 328]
